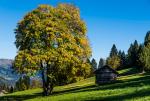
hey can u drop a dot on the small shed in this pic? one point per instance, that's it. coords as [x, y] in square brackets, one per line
[105, 74]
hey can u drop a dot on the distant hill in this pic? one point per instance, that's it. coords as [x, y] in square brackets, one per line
[7, 74]
[6, 63]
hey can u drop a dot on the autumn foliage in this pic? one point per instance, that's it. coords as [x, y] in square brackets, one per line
[53, 40]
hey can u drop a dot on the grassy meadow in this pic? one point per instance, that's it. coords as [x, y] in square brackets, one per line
[130, 86]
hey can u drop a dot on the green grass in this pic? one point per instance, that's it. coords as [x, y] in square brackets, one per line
[134, 87]
[129, 71]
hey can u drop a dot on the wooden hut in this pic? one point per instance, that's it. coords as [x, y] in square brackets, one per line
[105, 74]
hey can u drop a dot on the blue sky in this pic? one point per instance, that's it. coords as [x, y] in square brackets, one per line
[109, 22]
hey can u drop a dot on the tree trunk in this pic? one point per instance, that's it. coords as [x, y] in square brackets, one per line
[143, 71]
[49, 88]
[50, 83]
[44, 83]
[47, 83]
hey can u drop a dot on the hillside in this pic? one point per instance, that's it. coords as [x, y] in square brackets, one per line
[7, 73]
[126, 88]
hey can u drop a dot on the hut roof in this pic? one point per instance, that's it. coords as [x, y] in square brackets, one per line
[106, 66]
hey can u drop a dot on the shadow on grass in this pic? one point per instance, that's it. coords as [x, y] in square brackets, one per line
[74, 90]
[136, 82]
[129, 71]
[123, 97]
[19, 97]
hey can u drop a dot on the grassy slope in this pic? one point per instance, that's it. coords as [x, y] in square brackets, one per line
[134, 87]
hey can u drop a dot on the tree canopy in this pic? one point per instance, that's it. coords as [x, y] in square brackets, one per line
[54, 40]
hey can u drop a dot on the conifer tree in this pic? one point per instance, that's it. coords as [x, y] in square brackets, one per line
[113, 60]
[23, 83]
[133, 54]
[94, 64]
[147, 38]
[11, 90]
[123, 59]
[144, 57]
[144, 53]
[114, 51]
[101, 63]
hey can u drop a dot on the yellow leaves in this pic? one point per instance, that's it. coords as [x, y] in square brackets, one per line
[74, 70]
[49, 29]
[25, 62]
[114, 62]
[55, 36]
[84, 42]
[45, 9]
[59, 40]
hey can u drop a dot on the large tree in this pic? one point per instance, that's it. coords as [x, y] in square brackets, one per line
[53, 40]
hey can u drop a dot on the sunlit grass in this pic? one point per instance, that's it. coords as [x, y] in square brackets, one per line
[134, 87]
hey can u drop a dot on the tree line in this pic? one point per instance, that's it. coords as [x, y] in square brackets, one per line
[137, 56]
